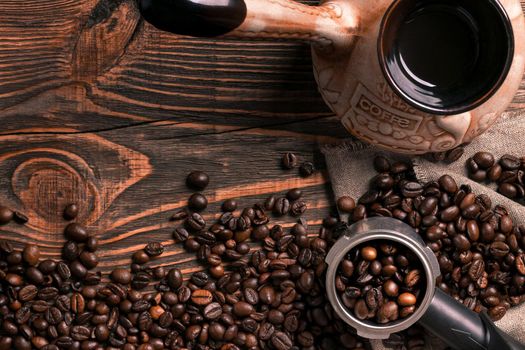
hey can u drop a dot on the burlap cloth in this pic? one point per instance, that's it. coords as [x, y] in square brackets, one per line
[350, 167]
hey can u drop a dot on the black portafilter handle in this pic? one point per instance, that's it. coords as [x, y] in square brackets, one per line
[461, 328]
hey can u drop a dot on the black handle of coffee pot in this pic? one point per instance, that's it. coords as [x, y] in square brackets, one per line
[201, 18]
[464, 329]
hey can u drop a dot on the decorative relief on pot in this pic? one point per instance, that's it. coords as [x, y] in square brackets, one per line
[369, 116]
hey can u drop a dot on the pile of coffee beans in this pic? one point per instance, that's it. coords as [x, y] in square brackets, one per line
[380, 281]
[508, 172]
[265, 296]
[477, 244]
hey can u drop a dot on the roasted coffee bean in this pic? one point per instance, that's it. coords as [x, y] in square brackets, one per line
[77, 269]
[195, 222]
[6, 215]
[201, 297]
[27, 293]
[454, 154]
[406, 299]
[448, 184]
[71, 211]
[197, 202]
[174, 278]
[294, 194]
[281, 207]
[508, 190]
[179, 215]
[229, 205]
[31, 254]
[281, 341]
[154, 249]
[306, 169]
[298, 208]
[197, 180]
[180, 234]
[509, 162]
[346, 204]
[499, 249]
[412, 278]
[88, 259]
[484, 159]
[76, 232]
[80, 333]
[120, 275]
[412, 189]
[289, 161]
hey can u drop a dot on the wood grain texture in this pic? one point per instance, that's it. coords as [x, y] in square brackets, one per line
[100, 108]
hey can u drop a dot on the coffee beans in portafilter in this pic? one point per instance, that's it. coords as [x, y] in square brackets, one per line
[381, 281]
[508, 173]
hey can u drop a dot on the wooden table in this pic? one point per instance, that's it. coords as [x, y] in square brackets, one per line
[102, 109]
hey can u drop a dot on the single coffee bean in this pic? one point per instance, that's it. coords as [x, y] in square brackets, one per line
[494, 173]
[31, 254]
[289, 161]
[120, 275]
[412, 278]
[448, 184]
[77, 269]
[406, 299]
[369, 253]
[201, 297]
[306, 169]
[508, 190]
[509, 162]
[88, 259]
[452, 156]
[298, 208]
[229, 205]
[346, 204]
[391, 288]
[281, 207]
[154, 249]
[484, 159]
[76, 233]
[242, 309]
[6, 215]
[198, 180]
[195, 222]
[180, 234]
[197, 202]
[294, 194]
[71, 211]
[140, 257]
[174, 278]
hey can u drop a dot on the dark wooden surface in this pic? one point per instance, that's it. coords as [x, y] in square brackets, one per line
[98, 107]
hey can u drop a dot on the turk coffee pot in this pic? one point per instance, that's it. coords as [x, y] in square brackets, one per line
[410, 76]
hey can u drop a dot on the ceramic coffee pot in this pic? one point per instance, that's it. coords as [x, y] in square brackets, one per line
[410, 76]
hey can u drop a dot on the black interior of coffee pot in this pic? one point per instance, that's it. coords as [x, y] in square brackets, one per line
[446, 56]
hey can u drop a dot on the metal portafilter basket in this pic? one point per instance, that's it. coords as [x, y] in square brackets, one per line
[442, 315]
